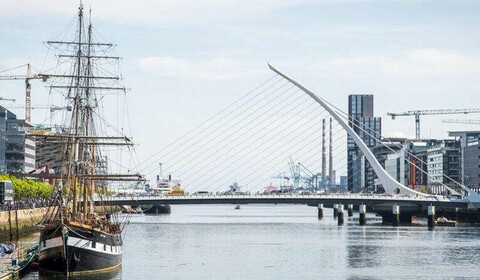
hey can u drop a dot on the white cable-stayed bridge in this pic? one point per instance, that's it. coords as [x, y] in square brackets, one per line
[252, 140]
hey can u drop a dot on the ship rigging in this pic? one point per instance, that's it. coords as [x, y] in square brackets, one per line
[75, 237]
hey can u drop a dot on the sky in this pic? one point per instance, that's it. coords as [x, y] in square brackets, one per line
[186, 60]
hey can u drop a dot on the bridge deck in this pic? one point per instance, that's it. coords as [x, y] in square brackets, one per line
[313, 199]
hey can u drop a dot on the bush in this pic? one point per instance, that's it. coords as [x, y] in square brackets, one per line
[25, 189]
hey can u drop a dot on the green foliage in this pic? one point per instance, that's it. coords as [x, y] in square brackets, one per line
[25, 189]
[105, 192]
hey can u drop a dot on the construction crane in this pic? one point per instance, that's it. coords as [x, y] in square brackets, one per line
[28, 88]
[52, 108]
[7, 99]
[418, 113]
[312, 181]
[296, 171]
[285, 180]
[466, 121]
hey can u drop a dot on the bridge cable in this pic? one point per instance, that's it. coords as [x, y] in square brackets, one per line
[266, 141]
[281, 155]
[235, 125]
[213, 117]
[200, 139]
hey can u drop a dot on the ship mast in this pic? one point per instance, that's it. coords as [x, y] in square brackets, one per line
[76, 111]
[81, 144]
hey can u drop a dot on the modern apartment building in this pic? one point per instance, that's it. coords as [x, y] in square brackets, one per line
[409, 163]
[17, 149]
[360, 111]
[470, 159]
[444, 163]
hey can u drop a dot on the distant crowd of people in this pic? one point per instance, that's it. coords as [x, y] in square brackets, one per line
[24, 204]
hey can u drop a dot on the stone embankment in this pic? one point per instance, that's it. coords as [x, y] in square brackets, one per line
[18, 222]
[15, 223]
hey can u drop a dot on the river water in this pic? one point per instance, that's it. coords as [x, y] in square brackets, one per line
[289, 242]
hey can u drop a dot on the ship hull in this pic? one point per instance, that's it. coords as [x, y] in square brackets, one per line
[157, 209]
[76, 251]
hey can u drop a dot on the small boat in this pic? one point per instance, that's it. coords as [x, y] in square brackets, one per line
[237, 207]
[444, 222]
[17, 261]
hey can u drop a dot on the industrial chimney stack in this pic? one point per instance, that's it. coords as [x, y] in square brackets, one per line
[331, 176]
[324, 153]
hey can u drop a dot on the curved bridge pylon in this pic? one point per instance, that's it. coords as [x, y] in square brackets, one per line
[390, 185]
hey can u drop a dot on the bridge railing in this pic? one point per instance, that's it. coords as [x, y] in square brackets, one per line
[286, 195]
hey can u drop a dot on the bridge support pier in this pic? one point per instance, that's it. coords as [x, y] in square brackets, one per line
[389, 218]
[341, 215]
[362, 210]
[431, 217]
[350, 210]
[320, 211]
[396, 215]
[335, 211]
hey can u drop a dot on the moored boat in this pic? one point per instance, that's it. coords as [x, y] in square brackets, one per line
[16, 261]
[76, 238]
[80, 248]
[442, 221]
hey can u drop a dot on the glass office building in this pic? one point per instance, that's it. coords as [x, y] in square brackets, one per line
[17, 149]
[360, 175]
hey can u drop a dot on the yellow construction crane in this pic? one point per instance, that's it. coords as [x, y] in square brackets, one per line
[28, 87]
[418, 113]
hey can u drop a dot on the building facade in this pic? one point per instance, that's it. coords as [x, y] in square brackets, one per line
[17, 148]
[360, 175]
[470, 159]
[471, 165]
[444, 163]
[47, 153]
[408, 164]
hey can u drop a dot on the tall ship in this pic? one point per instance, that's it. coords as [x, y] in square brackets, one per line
[80, 234]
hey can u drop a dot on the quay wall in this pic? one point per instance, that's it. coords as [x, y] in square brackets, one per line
[15, 223]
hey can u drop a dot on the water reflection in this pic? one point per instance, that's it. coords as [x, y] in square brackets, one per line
[281, 242]
[112, 275]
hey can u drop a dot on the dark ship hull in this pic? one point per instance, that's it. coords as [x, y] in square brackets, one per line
[76, 250]
[157, 209]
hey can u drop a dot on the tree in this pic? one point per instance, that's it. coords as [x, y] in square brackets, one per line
[26, 189]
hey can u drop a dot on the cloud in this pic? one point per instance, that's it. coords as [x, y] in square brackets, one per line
[154, 11]
[425, 62]
[210, 69]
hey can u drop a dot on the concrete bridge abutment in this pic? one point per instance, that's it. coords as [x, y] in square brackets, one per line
[335, 211]
[350, 210]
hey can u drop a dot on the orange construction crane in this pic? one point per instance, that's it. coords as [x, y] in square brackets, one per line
[28, 88]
